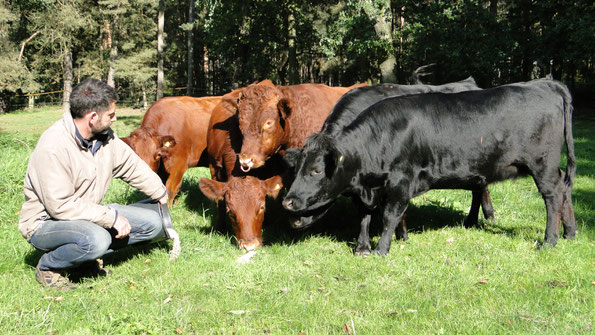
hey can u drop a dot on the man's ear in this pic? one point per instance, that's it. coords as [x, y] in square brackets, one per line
[212, 189]
[273, 185]
[92, 116]
[292, 157]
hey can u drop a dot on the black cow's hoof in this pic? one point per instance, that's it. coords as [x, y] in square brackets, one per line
[362, 251]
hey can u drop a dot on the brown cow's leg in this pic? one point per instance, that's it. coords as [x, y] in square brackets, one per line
[173, 184]
[486, 205]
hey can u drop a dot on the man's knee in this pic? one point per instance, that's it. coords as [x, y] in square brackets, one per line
[97, 244]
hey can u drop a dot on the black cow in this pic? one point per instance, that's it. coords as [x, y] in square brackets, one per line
[404, 146]
[347, 109]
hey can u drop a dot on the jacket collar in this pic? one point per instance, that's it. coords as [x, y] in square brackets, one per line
[82, 143]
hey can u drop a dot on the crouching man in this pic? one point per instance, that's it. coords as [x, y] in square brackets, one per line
[68, 175]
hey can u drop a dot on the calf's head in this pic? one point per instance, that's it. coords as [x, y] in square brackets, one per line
[318, 180]
[150, 148]
[262, 113]
[245, 199]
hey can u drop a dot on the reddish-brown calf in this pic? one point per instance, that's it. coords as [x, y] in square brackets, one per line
[240, 193]
[172, 137]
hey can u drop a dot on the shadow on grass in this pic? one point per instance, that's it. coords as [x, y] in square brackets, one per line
[114, 258]
[341, 223]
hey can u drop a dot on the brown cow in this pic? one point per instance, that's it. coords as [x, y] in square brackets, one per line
[241, 193]
[273, 118]
[172, 137]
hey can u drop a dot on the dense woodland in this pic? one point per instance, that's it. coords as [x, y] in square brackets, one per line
[151, 48]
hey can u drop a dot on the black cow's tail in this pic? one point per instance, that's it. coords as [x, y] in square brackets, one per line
[570, 158]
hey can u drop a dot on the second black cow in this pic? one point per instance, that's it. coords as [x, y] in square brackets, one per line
[404, 146]
[344, 112]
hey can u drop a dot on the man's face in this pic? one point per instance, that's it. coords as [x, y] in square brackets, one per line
[101, 122]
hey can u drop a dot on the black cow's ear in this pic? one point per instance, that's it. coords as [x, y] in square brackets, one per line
[332, 159]
[292, 157]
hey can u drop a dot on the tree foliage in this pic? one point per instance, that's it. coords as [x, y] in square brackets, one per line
[338, 42]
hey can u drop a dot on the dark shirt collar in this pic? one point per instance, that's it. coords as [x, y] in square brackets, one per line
[85, 143]
[88, 143]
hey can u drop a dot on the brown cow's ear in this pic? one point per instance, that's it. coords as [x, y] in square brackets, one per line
[212, 189]
[267, 82]
[273, 185]
[284, 106]
[167, 142]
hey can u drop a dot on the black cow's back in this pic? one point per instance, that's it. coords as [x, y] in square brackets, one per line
[356, 100]
[460, 140]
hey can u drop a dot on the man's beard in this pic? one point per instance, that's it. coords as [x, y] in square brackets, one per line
[101, 131]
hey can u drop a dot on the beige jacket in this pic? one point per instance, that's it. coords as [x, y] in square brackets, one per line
[65, 181]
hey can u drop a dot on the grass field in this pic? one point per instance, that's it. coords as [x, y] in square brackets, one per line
[444, 280]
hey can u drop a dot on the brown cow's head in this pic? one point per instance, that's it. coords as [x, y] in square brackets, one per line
[262, 112]
[148, 147]
[245, 199]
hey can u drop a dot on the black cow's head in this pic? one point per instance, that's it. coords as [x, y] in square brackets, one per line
[318, 181]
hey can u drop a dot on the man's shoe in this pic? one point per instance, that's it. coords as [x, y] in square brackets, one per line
[53, 279]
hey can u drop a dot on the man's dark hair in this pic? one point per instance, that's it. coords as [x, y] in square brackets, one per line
[91, 95]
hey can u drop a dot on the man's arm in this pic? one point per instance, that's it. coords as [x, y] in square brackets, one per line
[133, 170]
[52, 182]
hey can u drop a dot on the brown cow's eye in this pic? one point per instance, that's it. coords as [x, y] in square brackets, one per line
[262, 207]
[268, 124]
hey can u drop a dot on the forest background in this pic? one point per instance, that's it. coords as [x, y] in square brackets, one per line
[151, 48]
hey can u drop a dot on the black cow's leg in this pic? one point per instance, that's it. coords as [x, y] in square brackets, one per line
[486, 204]
[392, 216]
[471, 220]
[363, 241]
[552, 190]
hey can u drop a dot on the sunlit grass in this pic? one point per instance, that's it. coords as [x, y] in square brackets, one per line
[445, 279]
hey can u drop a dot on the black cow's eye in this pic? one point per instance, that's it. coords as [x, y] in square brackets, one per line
[315, 172]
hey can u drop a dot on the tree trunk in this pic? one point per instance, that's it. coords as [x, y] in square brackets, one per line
[190, 74]
[291, 37]
[67, 79]
[112, 44]
[205, 64]
[384, 32]
[160, 43]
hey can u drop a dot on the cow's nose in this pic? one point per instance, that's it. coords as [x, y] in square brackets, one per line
[250, 245]
[288, 204]
[246, 163]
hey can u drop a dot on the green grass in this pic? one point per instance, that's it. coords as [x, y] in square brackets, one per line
[444, 280]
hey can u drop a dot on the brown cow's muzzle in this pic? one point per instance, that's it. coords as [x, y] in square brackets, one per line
[248, 162]
[250, 245]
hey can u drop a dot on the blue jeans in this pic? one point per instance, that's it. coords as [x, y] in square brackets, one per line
[70, 243]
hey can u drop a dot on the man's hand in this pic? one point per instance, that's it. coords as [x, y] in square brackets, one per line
[164, 199]
[122, 226]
